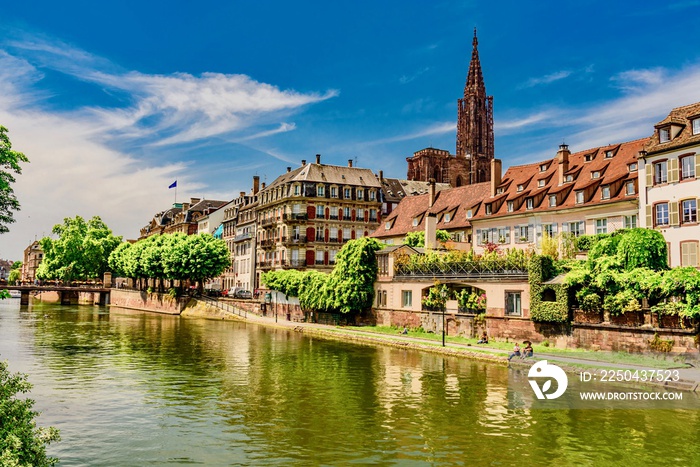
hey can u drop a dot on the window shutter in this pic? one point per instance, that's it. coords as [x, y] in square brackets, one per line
[310, 234]
[554, 229]
[673, 212]
[672, 170]
[697, 166]
[531, 233]
[311, 211]
[649, 169]
[353, 215]
[325, 235]
[340, 214]
[478, 236]
[352, 235]
[564, 227]
[309, 257]
[650, 219]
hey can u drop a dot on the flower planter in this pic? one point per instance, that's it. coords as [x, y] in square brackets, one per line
[631, 318]
[671, 322]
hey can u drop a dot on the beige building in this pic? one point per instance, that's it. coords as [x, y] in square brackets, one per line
[669, 167]
[306, 215]
[588, 192]
[182, 217]
[33, 255]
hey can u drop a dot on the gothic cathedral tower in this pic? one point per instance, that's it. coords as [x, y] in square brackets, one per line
[475, 122]
[472, 163]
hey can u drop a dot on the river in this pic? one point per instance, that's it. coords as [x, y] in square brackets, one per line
[128, 388]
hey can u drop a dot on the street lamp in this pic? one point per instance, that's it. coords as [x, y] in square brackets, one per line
[443, 301]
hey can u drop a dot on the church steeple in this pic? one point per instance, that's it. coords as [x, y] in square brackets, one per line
[475, 122]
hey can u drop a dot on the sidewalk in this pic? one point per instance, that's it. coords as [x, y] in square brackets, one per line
[690, 376]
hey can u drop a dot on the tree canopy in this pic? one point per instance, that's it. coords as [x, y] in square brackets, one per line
[417, 239]
[81, 250]
[9, 164]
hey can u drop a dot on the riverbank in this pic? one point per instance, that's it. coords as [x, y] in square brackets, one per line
[573, 364]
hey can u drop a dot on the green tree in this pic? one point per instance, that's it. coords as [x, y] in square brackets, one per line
[417, 239]
[9, 163]
[81, 250]
[195, 257]
[22, 443]
[15, 273]
[352, 279]
[643, 248]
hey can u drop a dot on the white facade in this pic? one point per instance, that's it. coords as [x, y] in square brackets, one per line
[209, 223]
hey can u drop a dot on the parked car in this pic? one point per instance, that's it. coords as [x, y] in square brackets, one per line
[243, 294]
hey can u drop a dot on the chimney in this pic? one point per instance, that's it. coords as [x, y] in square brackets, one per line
[496, 168]
[256, 184]
[318, 158]
[303, 162]
[241, 194]
[431, 195]
[263, 186]
[381, 176]
[194, 200]
[185, 206]
[289, 169]
[349, 162]
[430, 231]
[563, 161]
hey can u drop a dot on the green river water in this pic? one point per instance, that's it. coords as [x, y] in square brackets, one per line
[127, 388]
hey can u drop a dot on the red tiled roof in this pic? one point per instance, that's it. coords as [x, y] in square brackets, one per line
[611, 170]
[680, 116]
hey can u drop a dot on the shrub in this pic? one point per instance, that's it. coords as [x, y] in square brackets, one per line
[642, 248]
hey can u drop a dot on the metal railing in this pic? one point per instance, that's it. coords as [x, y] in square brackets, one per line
[225, 306]
[464, 269]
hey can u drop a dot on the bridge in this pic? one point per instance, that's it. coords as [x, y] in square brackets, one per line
[67, 295]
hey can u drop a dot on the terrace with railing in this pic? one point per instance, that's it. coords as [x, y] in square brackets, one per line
[457, 265]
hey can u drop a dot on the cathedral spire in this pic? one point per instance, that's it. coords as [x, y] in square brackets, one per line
[475, 78]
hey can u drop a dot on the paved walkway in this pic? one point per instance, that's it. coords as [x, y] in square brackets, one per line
[690, 375]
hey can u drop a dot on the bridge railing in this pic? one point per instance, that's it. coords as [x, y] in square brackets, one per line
[223, 305]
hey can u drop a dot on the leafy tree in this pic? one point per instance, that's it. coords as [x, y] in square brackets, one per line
[352, 279]
[81, 250]
[195, 257]
[417, 239]
[643, 248]
[117, 260]
[22, 443]
[15, 273]
[9, 164]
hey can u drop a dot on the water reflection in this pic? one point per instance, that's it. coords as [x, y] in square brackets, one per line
[128, 388]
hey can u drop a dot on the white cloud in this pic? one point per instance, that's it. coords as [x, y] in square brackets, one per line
[436, 129]
[633, 80]
[546, 79]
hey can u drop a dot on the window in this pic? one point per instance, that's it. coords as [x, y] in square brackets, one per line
[549, 229]
[509, 206]
[629, 188]
[504, 235]
[588, 157]
[469, 214]
[319, 257]
[346, 213]
[631, 222]
[576, 228]
[543, 168]
[415, 222]
[690, 212]
[372, 195]
[297, 190]
[661, 214]
[632, 167]
[696, 126]
[660, 172]
[360, 193]
[609, 154]
[579, 197]
[347, 234]
[373, 215]
[529, 203]
[447, 218]
[664, 135]
[499, 191]
[523, 232]
[513, 307]
[319, 211]
[552, 200]
[347, 193]
[334, 213]
[387, 225]
[406, 298]
[540, 183]
[360, 214]
[595, 174]
[689, 253]
[569, 178]
[687, 167]
[488, 209]
[334, 192]
[321, 191]
[601, 226]
[520, 188]
[334, 234]
[605, 192]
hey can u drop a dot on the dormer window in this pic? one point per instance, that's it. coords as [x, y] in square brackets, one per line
[321, 191]
[696, 126]
[629, 188]
[541, 183]
[569, 178]
[447, 218]
[609, 154]
[543, 168]
[499, 191]
[605, 192]
[387, 225]
[552, 200]
[415, 222]
[520, 188]
[588, 157]
[579, 197]
[488, 209]
[595, 174]
[529, 203]
[360, 193]
[334, 192]
[632, 167]
[664, 135]
[510, 206]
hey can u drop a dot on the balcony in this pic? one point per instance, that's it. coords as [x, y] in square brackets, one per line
[333, 217]
[268, 243]
[294, 264]
[373, 219]
[268, 222]
[242, 237]
[319, 262]
[265, 264]
[298, 240]
[295, 217]
[333, 240]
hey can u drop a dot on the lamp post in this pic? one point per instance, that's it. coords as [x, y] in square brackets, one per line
[443, 301]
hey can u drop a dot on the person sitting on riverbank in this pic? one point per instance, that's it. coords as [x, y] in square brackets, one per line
[405, 330]
[515, 353]
[484, 339]
[527, 351]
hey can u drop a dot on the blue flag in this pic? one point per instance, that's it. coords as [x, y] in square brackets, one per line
[173, 185]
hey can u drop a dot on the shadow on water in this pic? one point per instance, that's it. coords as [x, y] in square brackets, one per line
[157, 389]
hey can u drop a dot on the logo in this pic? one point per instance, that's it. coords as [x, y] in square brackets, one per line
[542, 369]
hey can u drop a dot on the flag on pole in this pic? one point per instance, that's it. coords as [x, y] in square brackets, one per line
[173, 185]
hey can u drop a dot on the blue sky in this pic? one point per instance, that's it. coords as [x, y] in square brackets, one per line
[111, 104]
